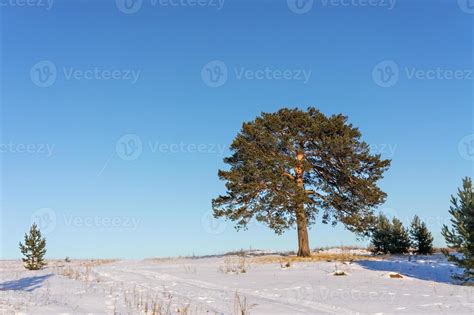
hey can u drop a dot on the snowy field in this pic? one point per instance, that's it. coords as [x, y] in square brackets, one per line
[235, 285]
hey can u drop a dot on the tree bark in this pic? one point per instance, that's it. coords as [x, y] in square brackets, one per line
[301, 219]
[303, 241]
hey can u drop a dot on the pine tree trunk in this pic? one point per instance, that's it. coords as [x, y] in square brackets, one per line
[303, 241]
[301, 219]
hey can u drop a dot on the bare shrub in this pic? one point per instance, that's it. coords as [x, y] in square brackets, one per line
[241, 305]
[234, 265]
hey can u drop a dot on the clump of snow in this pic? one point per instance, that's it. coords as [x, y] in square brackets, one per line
[339, 273]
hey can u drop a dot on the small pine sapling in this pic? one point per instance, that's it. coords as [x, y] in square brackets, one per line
[421, 237]
[33, 249]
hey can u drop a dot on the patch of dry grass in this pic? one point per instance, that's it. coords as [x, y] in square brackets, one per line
[80, 270]
[97, 262]
[329, 257]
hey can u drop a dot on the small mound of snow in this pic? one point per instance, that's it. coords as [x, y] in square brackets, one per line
[340, 273]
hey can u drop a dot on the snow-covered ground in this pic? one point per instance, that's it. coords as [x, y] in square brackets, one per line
[216, 285]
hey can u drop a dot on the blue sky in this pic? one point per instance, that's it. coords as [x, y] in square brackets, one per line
[113, 128]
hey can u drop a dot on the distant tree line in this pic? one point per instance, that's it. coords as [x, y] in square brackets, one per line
[392, 237]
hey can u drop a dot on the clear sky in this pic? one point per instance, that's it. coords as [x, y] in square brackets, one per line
[115, 117]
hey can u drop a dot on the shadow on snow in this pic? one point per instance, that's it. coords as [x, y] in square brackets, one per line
[431, 268]
[24, 284]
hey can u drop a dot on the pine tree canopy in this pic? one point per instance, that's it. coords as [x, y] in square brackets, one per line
[461, 235]
[382, 235]
[400, 238]
[288, 166]
[389, 236]
[422, 240]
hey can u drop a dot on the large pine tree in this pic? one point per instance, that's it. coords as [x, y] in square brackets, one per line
[461, 235]
[34, 249]
[422, 240]
[288, 166]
